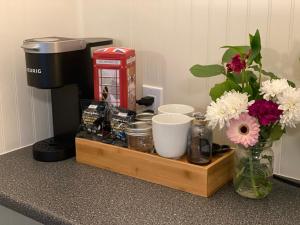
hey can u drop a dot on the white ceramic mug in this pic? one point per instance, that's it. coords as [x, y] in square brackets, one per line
[176, 108]
[170, 132]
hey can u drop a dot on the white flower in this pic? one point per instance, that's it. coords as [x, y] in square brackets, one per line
[289, 102]
[273, 88]
[230, 105]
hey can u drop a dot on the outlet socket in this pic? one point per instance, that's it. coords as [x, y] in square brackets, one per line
[157, 93]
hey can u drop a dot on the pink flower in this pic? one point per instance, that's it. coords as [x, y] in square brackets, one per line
[237, 64]
[244, 130]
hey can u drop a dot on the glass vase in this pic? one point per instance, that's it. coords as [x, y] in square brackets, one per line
[253, 169]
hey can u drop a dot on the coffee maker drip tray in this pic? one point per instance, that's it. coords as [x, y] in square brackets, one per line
[54, 149]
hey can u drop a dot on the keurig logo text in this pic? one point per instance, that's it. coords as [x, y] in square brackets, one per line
[31, 70]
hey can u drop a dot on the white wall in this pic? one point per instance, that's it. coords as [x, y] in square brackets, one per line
[168, 35]
[25, 112]
[171, 35]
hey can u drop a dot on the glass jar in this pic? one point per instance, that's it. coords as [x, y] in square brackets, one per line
[145, 117]
[200, 141]
[253, 170]
[139, 136]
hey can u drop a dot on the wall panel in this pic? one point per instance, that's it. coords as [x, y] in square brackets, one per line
[25, 112]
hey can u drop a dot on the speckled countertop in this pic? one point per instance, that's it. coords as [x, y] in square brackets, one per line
[70, 193]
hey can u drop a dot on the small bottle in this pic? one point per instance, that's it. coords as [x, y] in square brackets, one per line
[200, 143]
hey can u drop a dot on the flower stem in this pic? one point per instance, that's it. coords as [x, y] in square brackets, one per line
[259, 78]
[239, 177]
[243, 79]
[240, 172]
[252, 175]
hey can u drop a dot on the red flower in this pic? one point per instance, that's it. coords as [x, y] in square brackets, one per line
[237, 64]
[266, 112]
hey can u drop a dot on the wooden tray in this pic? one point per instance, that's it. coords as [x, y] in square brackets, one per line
[178, 174]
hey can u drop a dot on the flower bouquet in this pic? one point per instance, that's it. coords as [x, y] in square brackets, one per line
[255, 106]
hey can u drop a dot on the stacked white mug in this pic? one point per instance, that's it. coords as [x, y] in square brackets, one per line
[170, 129]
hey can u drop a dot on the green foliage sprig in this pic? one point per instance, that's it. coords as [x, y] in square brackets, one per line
[247, 80]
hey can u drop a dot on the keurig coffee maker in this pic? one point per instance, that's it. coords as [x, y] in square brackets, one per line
[63, 65]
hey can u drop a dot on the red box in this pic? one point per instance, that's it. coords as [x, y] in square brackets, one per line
[115, 76]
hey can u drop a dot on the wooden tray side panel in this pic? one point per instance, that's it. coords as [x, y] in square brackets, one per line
[171, 173]
[177, 174]
[220, 173]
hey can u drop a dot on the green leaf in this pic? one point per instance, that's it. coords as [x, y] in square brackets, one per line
[292, 84]
[218, 90]
[249, 75]
[248, 89]
[264, 133]
[207, 71]
[234, 77]
[239, 49]
[269, 74]
[255, 49]
[228, 54]
[276, 132]
[233, 86]
[253, 79]
[255, 88]
[237, 77]
[232, 51]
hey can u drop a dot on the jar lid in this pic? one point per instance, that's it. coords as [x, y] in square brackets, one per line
[199, 118]
[139, 127]
[146, 117]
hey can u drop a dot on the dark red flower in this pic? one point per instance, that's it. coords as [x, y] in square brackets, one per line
[265, 111]
[237, 64]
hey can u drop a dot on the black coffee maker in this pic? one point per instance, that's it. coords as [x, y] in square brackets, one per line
[65, 66]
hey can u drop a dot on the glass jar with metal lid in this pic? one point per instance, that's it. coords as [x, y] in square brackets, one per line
[145, 117]
[139, 136]
[200, 141]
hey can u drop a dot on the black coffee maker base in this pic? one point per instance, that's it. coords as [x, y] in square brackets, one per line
[54, 149]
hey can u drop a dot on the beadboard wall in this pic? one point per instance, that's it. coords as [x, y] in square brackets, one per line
[169, 36]
[25, 112]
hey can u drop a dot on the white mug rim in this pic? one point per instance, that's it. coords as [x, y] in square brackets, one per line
[186, 118]
[185, 109]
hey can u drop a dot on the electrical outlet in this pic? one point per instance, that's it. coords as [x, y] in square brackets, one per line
[157, 93]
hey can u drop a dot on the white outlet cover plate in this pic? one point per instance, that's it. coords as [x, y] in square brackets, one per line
[156, 92]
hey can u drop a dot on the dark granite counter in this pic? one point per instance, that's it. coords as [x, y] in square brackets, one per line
[70, 193]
